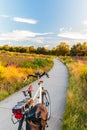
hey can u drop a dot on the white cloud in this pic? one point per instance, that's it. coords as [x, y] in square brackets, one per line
[64, 29]
[61, 29]
[37, 40]
[72, 35]
[46, 46]
[25, 20]
[4, 16]
[47, 33]
[17, 35]
[21, 35]
[19, 19]
[85, 22]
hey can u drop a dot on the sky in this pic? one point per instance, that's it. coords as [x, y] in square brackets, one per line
[43, 23]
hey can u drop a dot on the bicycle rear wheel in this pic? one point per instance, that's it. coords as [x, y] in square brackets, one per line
[22, 125]
[47, 102]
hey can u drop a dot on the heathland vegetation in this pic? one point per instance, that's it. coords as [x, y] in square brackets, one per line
[80, 49]
[17, 62]
[15, 66]
[75, 116]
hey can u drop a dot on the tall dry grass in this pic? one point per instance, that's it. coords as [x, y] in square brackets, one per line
[15, 66]
[75, 116]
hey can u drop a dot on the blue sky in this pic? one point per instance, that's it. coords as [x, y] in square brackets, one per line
[43, 22]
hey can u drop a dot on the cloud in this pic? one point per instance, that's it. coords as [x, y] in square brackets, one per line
[61, 29]
[37, 40]
[72, 35]
[17, 35]
[46, 46]
[64, 29]
[47, 33]
[21, 35]
[25, 20]
[85, 22]
[4, 16]
[19, 19]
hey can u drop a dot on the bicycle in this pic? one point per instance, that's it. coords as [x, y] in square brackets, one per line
[23, 107]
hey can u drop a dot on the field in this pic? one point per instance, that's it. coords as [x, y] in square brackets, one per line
[15, 66]
[75, 116]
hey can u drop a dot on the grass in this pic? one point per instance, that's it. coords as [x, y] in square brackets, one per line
[75, 116]
[15, 66]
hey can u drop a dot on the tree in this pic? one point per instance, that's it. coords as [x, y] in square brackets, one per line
[42, 50]
[79, 49]
[31, 49]
[27, 49]
[6, 47]
[62, 49]
[84, 49]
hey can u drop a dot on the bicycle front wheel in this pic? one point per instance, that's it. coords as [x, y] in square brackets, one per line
[47, 102]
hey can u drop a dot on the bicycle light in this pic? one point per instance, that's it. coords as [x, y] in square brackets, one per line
[17, 113]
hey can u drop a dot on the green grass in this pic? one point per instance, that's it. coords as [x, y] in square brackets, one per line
[75, 116]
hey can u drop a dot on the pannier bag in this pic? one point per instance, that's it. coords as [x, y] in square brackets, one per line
[37, 118]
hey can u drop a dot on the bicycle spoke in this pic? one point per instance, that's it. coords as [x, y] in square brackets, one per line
[46, 101]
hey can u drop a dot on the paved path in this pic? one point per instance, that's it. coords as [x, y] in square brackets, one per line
[57, 87]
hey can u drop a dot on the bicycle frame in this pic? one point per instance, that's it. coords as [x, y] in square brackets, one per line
[28, 102]
[39, 92]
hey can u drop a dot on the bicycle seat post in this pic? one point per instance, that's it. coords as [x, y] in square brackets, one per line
[40, 85]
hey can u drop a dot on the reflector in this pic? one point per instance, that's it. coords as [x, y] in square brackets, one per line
[17, 113]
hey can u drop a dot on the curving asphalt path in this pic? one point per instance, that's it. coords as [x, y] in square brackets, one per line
[56, 85]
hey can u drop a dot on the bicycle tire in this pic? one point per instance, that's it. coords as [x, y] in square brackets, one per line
[47, 102]
[22, 126]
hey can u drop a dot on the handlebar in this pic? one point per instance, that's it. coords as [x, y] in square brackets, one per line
[37, 75]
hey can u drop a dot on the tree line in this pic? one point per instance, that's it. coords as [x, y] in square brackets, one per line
[79, 49]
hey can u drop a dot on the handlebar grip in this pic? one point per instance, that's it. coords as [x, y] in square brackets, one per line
[47, 75]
